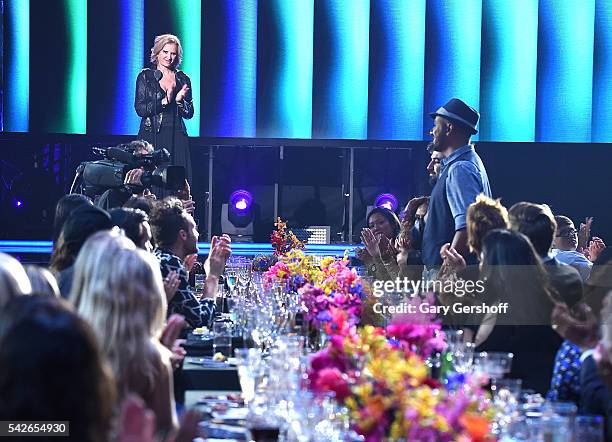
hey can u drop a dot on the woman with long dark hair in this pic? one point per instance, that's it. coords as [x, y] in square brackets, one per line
[513, 274]
[379, 255]
[52, 369]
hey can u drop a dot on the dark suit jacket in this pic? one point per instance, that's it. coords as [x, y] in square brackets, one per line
[565, 280]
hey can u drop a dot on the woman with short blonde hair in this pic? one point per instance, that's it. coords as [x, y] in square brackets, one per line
[118, 289]
[164, 100]
[162, 40]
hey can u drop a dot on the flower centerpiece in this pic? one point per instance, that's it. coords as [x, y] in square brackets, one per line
[331, 294]
[385, 384]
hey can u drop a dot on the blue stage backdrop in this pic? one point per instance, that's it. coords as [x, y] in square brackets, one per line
[539, 70]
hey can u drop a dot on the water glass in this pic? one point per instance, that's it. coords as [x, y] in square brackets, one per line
[463, 357]
[588, 429]
[495, 364]
[199, 283]
[250, 371]
[222, 338]
[513, 386]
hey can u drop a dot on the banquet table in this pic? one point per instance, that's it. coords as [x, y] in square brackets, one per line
[197, 376]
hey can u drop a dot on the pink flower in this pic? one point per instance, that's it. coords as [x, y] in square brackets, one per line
[332, 379]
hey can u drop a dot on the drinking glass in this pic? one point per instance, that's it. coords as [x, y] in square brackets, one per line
[222, 338]
[513, 386]
[250, 371]
[199, 282]
[463, 357]
[495, 364]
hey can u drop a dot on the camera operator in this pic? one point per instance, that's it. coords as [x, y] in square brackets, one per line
[132, 183]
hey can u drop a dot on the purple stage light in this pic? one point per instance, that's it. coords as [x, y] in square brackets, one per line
[240, 201]
[18, 203]
[386, 201]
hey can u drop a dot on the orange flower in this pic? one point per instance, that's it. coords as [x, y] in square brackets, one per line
[476, 425]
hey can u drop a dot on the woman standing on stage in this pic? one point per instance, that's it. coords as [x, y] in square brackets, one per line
[163, 100]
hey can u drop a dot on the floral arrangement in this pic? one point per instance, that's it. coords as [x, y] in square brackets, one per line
[293, 270]
[335, 302]
[332, 295]
[385, 385]
[284, 240]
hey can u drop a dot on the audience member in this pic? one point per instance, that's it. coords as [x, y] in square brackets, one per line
[52, 369]
[176, 235]
[140, 202]
[126, 307]
[433, 168]
[379, 255]
[410, 239]
[65, 206]
[537, 222]
[513, 273]
[462, 178]
[42, 280]
[135, 224]
[80, 225]
[565, 247]
[13, 279]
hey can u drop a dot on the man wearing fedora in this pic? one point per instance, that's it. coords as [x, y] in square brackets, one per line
[461, 179]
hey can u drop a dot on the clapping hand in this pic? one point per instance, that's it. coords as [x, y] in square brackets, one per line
[387, 249]
[371, 242]
[596, 246]
[189, 262]
[181, 94]
[452, 258]
[220, 251]
[584, 233]
[171, 284]
[169, 339]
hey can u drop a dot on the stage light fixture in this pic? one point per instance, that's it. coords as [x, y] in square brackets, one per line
[386, 201]
[237, 217]
[241, 201]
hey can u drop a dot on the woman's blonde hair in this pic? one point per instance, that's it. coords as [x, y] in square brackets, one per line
[13, 279]
[118, 289]
[42, 280]
[161, 41]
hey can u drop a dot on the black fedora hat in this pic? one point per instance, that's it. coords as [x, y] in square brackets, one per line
[459, 112]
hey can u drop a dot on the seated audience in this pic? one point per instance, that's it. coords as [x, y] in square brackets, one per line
[42, 280]
[13, 279]
[80, 225]
[52, 369]
[176, 235]
[410, 238]
[599, 283]
[596, 373]
[135, 224]
[537, 222]
[513, 273]
[65, 206]
[483, 216]
[565, 247]
[118, 290]
[379, 238]
[140, 202]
